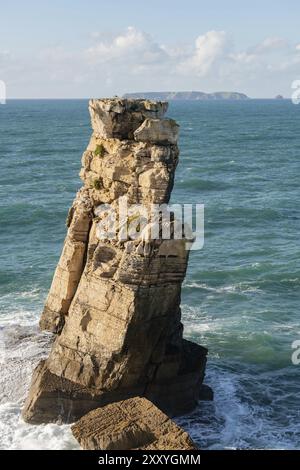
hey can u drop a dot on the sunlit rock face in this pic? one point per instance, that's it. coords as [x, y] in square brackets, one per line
[133, 424]
[114, 302]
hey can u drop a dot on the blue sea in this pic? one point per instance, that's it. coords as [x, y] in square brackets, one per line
[241, 296]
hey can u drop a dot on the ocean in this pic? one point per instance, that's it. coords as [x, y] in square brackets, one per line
[241, 295]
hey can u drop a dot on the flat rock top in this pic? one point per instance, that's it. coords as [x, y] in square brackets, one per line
[120, 105]
[120, 117]
[130, 424]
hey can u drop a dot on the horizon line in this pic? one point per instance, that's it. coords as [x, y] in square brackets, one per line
[102, 97]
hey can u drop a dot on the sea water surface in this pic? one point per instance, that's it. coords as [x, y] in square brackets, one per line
[241, 295]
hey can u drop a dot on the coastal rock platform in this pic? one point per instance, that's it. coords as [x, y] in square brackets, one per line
[133, 424]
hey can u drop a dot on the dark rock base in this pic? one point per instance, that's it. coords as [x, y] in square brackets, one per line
[55, 399]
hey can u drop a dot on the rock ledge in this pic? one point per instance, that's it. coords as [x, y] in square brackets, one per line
[130, 425]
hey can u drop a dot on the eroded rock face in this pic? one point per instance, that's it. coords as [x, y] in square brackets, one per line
[157, 131]
[132, 424]
[70, 265]
[119, 118]
[115, 303]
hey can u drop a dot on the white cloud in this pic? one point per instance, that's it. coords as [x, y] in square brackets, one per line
[133, 60]
[5, 55]
[254, 55]
[56, 54]
[131, 46]
[243, 57]
[270, 44]
[208, 48]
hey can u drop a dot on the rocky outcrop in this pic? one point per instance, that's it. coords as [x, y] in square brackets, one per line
[120, 118]
[114, 302]
[133, 424]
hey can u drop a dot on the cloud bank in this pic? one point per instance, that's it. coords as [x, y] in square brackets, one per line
[133, 60]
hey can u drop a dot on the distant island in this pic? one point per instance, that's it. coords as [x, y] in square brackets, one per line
[187, 95]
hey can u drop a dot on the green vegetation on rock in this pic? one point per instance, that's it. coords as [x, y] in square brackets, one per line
[97, 184]
[100, 150]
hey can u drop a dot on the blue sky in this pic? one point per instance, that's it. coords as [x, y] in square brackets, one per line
[101, 48]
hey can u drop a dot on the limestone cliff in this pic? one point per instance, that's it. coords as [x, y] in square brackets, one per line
[114, 303]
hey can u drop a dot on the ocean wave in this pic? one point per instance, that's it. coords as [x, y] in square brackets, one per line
[239, 420]
[21, 307]
[15, 434]
[239, 288]
[18, 315]
[21, 348]
[32, 293]
[256, 278]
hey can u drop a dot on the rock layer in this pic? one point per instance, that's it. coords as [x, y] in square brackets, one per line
[133, 424]
[115, 302]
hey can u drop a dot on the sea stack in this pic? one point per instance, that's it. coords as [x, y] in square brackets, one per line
[114, 303]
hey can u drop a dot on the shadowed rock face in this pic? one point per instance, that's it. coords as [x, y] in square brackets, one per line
[132, 424]
[115, 304]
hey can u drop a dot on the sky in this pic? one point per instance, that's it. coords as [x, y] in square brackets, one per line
[97, 48]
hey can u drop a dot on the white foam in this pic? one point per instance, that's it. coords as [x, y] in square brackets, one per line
[15, 434]
[240, 288]
[232, 421]
[13, 307]
[21, 348]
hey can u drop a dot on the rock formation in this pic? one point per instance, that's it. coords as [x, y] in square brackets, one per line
[133, 424]
[114, 302]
